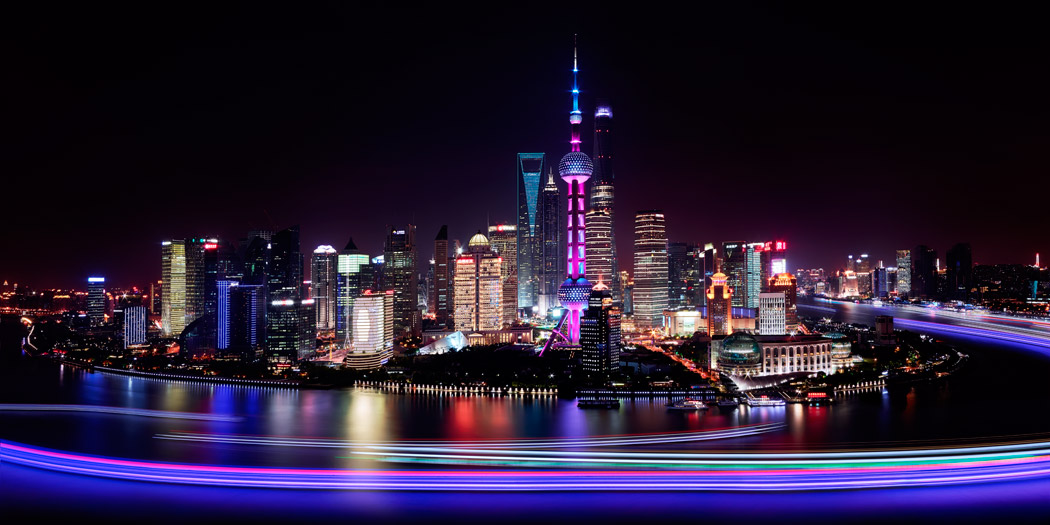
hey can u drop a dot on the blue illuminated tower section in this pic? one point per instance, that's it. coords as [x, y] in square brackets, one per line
[575, 168]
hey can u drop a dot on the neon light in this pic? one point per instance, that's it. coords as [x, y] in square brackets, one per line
[96, 279]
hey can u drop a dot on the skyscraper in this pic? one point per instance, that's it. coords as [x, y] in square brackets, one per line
[787, 284]
[734, 266]
[135, 322]
[247, 321]
[353, 276]
[753, 280]
[399, 275]
[683, 275]
[960, 272]
[904, 273]
[602, 193]
[441, 302]
[224, 314]
[552, 248]
[373, 330]
[774, 260]
[600, 333]
[504, 240]
[323, 283]
[529, 178]
[719, 306]
[771, 313]
[923, 272]
[599, 246]
[575, 169]
[173, 274]
[290, 323]
[479, 287]
[96, 301]
[650, 269]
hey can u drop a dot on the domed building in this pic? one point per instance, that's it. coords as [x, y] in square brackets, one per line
[478, 296]
[740, 355]
[841, 349]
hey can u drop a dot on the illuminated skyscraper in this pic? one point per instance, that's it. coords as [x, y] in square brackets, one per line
[771, 313]
[353, 276]
[923, 272]
[602, 193]
[552, 247]
[685, 284]
[323, 282]
[719, 306]
[734, 266]
[224, 314]
[504, 239]
[774, 260]
[440, 303]
[904, 273]
[575, 169]
[373, 330]
[600, 333]
[599, 246]
[650, 269]
[753, 284]
[135, 322]
[787, 284]
[290, 323]
[173, 274]
[530, 228]
[399, 275]
[479, 287]
[96, 309]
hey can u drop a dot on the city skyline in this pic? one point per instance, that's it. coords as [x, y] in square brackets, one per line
[269, 146]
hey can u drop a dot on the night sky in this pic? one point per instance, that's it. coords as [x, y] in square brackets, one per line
[842, 129]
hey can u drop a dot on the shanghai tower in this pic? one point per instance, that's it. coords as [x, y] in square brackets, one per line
[601, 235]
[575, 168]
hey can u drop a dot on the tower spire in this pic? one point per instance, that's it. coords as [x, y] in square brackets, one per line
[575, 116]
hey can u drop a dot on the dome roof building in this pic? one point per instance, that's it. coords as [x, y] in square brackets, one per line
[740, 355]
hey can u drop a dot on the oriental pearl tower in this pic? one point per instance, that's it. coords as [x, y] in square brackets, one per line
[575, 168]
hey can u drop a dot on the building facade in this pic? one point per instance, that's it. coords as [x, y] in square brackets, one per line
[772, 319]
[399, 275]
[719, 306]
[504, 241]
[530, 230]
[650, 269]
[373, 330]
[479, 287]
[323, 284]
[600, 333]
[96, 301]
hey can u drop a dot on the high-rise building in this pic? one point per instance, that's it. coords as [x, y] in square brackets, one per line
[399, 275]
[290, 323]
[96, 309]
[650, 269]
[504, 240]
[600, 333]
[373, 330]
[707, 265]
[441, 303]
[753, 281]
[904, 273]
[224, 313]
[353, 277]
[156, 295]
[734, 266]
[575, 169]
[599, 245]
[787, 284]
[774, 260]
[530, 228]
[772, 319]
[960, 272]
[247, 321]
[923, 272]
[173, 274]
[719, 306]
[551, 246]
[323, 286]
[602, 193]
[198, 291]
[136, 318]
[683, 276]
[479, 287]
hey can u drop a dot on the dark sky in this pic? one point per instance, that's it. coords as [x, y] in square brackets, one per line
[841, 128]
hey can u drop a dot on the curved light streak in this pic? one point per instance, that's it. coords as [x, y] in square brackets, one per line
[941, 467]
[14, 407]
[460, 446]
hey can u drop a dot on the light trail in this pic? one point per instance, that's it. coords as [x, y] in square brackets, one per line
[598, 441]
[12, 407]
[825, 471]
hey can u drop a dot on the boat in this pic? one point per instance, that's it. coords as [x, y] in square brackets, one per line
[687, 404]
[765, 402]
[598, 403]
[727, 405]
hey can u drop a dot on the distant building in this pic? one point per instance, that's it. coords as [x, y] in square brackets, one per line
[684, 322]
[772, 318]
[650, 269]
[719, 306]
[960, 272]
[683, 275]
[504, 240]
[602, 191]
[530, 229]
[173, 274]
[291, 332]
[399, 275]
[774, 261]
[599, 246]
[479, 287]
[323, 286]
[786, 284]
[247, 322]
[884, 334]
[441, 303]
[353, 277]
[923, 272]
[373, 330]
[904, 273]
[552, 254]
[742, 354]
[136, 319]
[600, 333]
[96, 301]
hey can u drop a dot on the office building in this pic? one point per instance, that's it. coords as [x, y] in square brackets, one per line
[323, 286]
[904, 273]
[399, 275]
[373, 330]
[156, 296]
[772, 319]
[734, 266]
[247, 322]
[650, 269]
[707, 265]
[96, 307]
[290, 322]
[504, 241]
[551, 248]
[530, 167]
[440, 302]
[602, 200]
[786, 284]
[575, 169]
[923, 272]
[774, 260]
[599, 246]
[136, 320]
[959, 272]
[479, 287]
[719, 306]
[600, 333]
[684, 281]
[173, 274]
[353, 277]
[224, 313]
